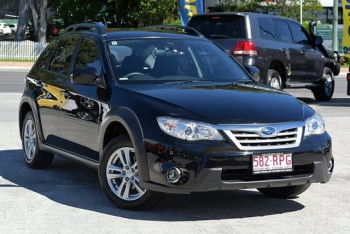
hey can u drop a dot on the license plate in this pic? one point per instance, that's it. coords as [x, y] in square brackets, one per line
[272, 163]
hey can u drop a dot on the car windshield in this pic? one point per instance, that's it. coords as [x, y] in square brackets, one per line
[166, 60]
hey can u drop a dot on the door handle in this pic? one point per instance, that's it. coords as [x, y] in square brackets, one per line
[284, 50]
[38, 84]
[302, 52]
[66, 93]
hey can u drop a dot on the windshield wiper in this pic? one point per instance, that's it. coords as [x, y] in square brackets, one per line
[243, 82]
[183, 81]
[217, 36]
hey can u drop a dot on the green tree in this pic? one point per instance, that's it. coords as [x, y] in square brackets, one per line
[120, 13]
[238, 5]
[138, 13]
[291, 9]
[78, 11]
[286, 8]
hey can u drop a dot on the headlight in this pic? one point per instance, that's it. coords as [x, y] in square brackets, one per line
[188, 130]
[314, 126]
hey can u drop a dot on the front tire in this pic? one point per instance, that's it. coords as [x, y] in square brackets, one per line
[33, 156]
[118, 174]
[274, 79]
[285, 192]
[326, 89]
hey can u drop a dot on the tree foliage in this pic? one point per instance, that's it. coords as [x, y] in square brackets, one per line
[286, 8]
[238, 5]
[117, 13]
[78, 11]
[135, 13]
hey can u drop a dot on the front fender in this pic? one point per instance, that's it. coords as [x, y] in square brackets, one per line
[128, 119]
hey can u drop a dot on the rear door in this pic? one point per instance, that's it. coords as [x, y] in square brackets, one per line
[50, 76]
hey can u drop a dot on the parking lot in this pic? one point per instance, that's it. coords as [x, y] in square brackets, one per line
[67, 197]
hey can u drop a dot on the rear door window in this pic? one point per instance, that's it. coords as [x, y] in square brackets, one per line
[220, 26]
[284, 31]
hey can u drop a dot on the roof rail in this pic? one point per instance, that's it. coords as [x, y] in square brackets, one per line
[92, 27]
[186, 29]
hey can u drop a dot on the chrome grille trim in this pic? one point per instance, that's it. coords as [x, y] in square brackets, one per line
[249, 137]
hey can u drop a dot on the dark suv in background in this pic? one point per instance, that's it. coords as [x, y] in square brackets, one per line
[287, 55]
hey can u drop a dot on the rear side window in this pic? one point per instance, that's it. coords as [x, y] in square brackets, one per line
[220, 26]
[43, 60]
[267, 29]
[284, 31]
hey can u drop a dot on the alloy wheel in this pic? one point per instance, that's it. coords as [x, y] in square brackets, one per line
[29, 138]
[122, 174]
[275, 83]
[328, 85]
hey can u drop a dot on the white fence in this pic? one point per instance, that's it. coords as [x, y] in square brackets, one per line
[20, 50]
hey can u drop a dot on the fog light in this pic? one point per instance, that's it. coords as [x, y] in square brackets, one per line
[330, 166]
[173, 175]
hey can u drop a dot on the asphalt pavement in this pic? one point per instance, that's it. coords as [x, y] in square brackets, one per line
[67, 197]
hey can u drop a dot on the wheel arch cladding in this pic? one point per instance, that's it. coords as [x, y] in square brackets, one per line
[124, 121]
[24, 109]
[278, 66]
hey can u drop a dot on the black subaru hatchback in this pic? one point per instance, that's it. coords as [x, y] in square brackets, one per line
[165, 112]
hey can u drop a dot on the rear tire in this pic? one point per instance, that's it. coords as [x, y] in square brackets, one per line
[33, 156]
[274, 79]
[326, 89]
[285, 192]
[118, 174]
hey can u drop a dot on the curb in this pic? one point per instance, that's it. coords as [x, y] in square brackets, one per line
[13, 68]
[16, 65]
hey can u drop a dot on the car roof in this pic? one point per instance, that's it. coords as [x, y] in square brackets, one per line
[146, 34]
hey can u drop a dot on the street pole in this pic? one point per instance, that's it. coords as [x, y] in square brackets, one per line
[301, 11]
[335, 46]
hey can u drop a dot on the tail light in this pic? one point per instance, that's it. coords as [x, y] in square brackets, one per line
[244, 48]
[348, 77]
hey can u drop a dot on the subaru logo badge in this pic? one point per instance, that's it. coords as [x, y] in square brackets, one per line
[268, 131]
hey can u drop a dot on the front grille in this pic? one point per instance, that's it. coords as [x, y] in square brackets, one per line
[251, 138]
[247, 174]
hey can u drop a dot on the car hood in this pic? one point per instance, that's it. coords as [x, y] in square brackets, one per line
[223, 103]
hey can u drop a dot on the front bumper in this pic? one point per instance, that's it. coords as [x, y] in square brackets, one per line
[219, 166]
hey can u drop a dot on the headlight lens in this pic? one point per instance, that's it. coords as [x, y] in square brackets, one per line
[314, 126]
[188, 130]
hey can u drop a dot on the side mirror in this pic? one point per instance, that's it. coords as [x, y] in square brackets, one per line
[87, 76]
[254, 72]
[318, 41]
